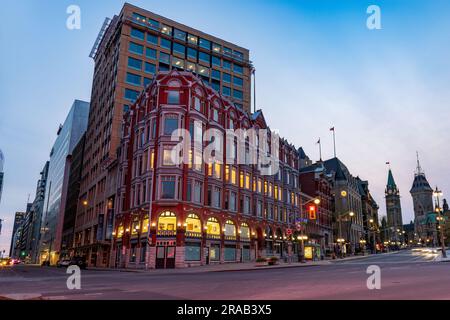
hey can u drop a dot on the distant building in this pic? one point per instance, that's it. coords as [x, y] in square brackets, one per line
[316, 183]
[69, 135]
[23, 241]
[71, 196]
[31, 235]
[393, 210]
[2, 160]
[347, 204]
[370, 215]
[19, 218]
[422, 195]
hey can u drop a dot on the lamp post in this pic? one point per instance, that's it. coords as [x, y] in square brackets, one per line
[437, 193]
[350, 214]
[372, 239]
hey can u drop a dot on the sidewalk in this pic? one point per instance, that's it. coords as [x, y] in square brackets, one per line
[227, 267]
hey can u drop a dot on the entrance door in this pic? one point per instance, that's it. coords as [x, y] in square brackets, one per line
[165, 257]
[207, 255]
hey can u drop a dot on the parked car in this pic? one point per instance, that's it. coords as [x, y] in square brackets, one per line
[6, 262]
[78, 261]
[65, 262]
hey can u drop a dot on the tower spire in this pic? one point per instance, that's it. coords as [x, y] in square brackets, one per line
[419, 168]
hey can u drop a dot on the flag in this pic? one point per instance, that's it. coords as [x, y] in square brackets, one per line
[318, 141]
[332, 129]
[388, 163]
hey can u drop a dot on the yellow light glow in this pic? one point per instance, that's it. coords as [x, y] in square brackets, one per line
[351, 214]
[317, 201]
[343, 193]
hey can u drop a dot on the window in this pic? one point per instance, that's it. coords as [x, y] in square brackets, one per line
[131, 94]
[150, 53]
[232, 201]
[245, 231]
[238, 55]
[193, 223]
[173, 97]
[216, 202]
[216, 47]
[150, 68]
[226, 91]
[170, 124]
[227, 51]
[133, 79]
[226, 77]
[147, 81]
[215, 74]
[233, 176]
[215, 86]
[226, 64]
[136, 48]
[167, 221]
[230, 229]
[168, 187]
[179, 48]
[216, 61]
[152, 39]
[190, 66]
[192, 251]
[166, 29]
[192, 54]
[167, 156]
[153, 24]
[214, 252]
[237, 94]
[138, 17]
[163, 67]
[237, 68]
[229, 253]
[134, 63]
[213, 226]
[166, 43]
[205, 43]
[204, 57]
[192, 39]
[138, 34]
[238, 81]
[215, 115]
[133, 252]
[164, 57]
[180, 35]
[197, 104]
[177, 62]
[203, 71]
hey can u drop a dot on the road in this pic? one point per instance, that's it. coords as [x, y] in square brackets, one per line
[404, 275]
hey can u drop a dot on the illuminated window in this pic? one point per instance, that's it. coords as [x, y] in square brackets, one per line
[230, 228]
[245, 231]
[190, 66]
[259, 185]
[241, 179]
[192, 39]
[276, 192]
[265, 187]
[167, 221]
[177, 62]
[216, 47]
[145, 225]
[167, 157]
[166, 29]
[217, 170]
[247, 181]
[227, 173]
[233, 176]
[213, 226]
[135, 226]
[193, 223]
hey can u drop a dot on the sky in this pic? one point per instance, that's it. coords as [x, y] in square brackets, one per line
[317, 65]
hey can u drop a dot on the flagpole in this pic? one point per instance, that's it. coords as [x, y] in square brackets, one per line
[320, 149]
[334, 142]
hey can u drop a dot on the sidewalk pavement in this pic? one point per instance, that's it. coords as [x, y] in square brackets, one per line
[227, 267]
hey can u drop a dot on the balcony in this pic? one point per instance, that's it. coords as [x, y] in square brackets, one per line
[191, 234]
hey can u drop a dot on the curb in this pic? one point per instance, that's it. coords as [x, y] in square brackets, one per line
[269, 268]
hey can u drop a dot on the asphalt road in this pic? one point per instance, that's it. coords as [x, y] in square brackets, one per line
[404, 275]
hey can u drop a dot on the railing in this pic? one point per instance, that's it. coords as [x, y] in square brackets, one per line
[191, 234]
[166, 233]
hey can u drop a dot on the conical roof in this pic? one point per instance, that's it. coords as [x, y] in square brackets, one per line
[391, 182]
[420, 184]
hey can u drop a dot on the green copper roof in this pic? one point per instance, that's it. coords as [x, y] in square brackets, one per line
[391, 183]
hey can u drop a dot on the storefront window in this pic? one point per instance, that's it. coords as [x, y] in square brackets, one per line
[193, 223]
[167, 221]
[230, 229]
[214, 252]
[230, 253]
[245, 231]
[192, 251]
[213, 226]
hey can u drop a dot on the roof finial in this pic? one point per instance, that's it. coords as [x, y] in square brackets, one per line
[419, 168]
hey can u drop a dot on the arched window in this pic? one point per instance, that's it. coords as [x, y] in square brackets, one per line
[145, 224]
[193, 223]
[230, 228]
[213, 226]
[167, 221]
[245, 231]
[120, 230]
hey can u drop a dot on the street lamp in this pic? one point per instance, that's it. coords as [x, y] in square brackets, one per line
[437, 193]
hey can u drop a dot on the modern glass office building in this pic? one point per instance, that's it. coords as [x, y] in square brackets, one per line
[68, 136]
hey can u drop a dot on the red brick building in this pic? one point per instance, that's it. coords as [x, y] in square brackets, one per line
[200, 213]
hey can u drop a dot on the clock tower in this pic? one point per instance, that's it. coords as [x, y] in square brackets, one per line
[393, 209]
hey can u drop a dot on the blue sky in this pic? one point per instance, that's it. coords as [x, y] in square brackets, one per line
[385, 91]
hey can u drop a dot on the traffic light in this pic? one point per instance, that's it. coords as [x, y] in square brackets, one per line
[312, 212]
